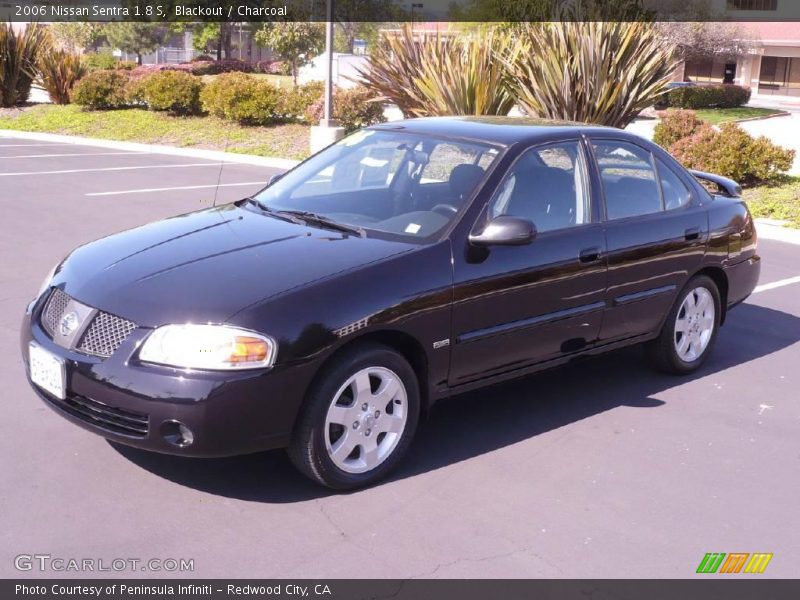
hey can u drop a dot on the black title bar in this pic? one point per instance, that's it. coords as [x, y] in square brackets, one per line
[704, 587]
[387, 11]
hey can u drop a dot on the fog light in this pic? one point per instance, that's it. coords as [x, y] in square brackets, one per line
[177, 434]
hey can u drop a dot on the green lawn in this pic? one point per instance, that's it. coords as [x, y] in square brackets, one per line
[715, 116]
[136, 125]
[777, 200]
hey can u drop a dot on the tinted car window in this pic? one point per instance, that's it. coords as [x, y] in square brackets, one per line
[675, 192]
[629, 179]
[399, 183]
[368, 167]
[446, 157]
[547, 185]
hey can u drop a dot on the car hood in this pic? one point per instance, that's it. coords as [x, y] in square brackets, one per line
[208, 265]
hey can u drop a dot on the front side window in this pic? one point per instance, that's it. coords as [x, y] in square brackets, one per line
[548, 186]
[629, 179]
[394, 182]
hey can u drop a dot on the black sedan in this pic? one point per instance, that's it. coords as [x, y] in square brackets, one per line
[409, 262]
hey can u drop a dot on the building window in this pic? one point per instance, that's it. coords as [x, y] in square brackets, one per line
[779, 75]
[752, 4]
[704, 70]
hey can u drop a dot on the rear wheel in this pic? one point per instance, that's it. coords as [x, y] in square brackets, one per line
[689, 333]
[359, 418]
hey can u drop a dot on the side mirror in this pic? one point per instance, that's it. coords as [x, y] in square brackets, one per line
[505, 230]
[274, 178]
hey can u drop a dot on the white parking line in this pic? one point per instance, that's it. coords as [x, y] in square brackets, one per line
[75, 154]
[30, 145]
[776, 284]
[167, 189]
[207, 164]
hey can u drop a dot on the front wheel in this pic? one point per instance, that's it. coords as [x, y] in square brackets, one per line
[358, 420]
[689, 333]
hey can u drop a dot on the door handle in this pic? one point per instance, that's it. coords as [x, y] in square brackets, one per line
[692, 233]
[589, 255]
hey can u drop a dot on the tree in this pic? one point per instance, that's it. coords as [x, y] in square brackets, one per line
[210, 36]
[359, 19]
[346, 34]
[214, 36]
[520, 11]
[136, 37]
[295, 42]
[594, 72]
[73, 36]
[694, 39]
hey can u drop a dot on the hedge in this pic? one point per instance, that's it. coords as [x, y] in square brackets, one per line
[708, 96]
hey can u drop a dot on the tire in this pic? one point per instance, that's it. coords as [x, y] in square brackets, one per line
[339, 443]
[675, 352]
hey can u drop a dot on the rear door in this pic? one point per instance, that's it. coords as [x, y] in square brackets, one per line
[655, 231]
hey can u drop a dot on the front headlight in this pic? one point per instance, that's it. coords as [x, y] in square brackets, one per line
[214, 347]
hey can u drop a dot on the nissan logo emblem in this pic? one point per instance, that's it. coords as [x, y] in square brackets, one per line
[68, 324]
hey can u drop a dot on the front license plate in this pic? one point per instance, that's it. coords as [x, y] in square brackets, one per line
[47, 371]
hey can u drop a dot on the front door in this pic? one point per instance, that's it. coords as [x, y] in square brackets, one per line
[517, 305]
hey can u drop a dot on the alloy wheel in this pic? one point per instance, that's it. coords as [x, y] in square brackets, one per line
[694, 324]
[366, 419]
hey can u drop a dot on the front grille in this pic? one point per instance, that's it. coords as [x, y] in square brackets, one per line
[54, 310]
[108, 418]
[105, 334]
[102, 337]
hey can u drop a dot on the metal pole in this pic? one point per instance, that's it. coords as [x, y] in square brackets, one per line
[329, 59]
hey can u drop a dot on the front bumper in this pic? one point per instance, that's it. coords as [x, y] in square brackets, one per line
[228, 413]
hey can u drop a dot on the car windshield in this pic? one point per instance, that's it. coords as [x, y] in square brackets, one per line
[382, 181]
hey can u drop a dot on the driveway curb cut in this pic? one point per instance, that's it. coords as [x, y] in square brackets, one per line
[215, 155]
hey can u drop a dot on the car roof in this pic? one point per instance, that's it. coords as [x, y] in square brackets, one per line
[496, 130]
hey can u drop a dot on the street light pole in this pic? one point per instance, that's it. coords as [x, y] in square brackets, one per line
[329, 60]
[328, 130]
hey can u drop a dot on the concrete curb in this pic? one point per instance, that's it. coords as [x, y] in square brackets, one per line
[782, 113]
[771, 229]
[215, 155]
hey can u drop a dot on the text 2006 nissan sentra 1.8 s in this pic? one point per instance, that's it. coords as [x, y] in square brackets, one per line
[408, 262]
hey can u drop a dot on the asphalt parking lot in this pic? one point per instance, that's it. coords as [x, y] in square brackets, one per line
[599, 469]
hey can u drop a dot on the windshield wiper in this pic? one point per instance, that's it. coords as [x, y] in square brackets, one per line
[278, 214]
[323, 221]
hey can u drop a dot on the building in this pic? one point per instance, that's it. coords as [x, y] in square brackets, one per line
[771, 70]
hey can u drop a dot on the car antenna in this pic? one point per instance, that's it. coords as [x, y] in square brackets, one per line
[219, 175]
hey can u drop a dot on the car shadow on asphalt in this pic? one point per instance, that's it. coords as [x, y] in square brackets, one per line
[482, 421]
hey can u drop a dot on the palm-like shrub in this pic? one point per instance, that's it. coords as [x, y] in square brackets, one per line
[19, 53]
[58, 72]
[435, 76]
[593, 72]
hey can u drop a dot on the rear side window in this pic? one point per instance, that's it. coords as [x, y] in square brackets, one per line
[675, 192]
[629, 179]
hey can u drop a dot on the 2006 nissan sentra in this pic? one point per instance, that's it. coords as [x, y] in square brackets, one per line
[408, 262]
